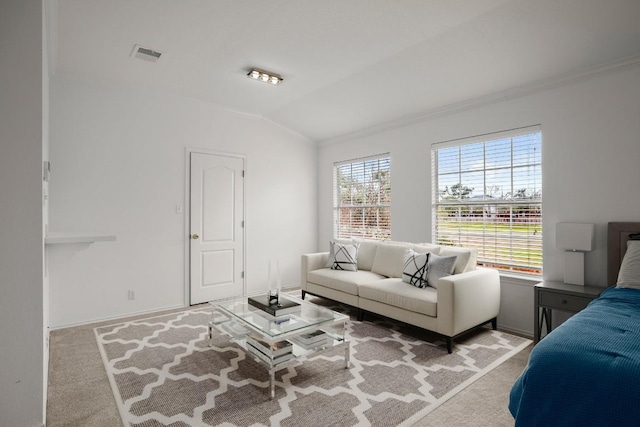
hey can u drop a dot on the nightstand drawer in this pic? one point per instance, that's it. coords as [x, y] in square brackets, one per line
[563, 302]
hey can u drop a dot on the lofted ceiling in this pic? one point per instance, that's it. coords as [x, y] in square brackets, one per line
[348, 65]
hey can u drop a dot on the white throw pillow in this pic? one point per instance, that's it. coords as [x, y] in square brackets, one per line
[389, 259]
[345, 257]
[366, 253]
[629, 274]
[415, 269]
[439, 267]
[423, 248]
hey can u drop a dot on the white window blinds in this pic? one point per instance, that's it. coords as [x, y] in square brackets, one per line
[487, 194]
[362, 198]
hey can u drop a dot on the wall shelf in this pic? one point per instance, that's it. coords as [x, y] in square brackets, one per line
[61, 237]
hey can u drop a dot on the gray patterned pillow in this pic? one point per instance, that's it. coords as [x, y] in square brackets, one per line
[415, 269]
[439, 267]
[344, 257]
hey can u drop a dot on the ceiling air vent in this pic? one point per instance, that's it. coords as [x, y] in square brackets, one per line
[145, 54]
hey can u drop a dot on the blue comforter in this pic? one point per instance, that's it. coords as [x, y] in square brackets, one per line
[587, 371]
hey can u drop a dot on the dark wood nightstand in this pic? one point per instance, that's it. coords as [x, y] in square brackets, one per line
[549, 296]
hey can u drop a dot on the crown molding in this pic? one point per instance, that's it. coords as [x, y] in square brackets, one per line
[290, 131]
[516, 92]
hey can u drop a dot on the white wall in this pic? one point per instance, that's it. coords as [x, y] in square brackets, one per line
[46, 17]
[21, 215]
[118, 166]
[591, 153]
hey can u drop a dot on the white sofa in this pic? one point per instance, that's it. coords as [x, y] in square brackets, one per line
[468, 298]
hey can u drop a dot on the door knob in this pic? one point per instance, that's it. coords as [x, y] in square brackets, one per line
[195, 236]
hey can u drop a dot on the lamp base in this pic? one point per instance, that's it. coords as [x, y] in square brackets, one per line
[574, 268]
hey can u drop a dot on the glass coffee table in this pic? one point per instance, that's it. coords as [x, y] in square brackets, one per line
[279, 342]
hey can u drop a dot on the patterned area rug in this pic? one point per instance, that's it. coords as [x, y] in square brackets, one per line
[164, 372]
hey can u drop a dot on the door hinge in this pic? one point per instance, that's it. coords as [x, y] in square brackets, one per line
[243, 174]
[242, 275]
[242, 224]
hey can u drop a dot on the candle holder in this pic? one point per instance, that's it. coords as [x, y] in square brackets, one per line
[274, 285]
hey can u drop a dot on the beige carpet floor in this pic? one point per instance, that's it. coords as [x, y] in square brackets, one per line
[79, 393]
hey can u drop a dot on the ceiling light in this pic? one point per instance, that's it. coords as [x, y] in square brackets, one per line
[264, 76]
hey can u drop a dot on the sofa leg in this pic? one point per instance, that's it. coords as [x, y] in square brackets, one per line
[449, 345]
[360, 315]
[304, 293]
[494, 323]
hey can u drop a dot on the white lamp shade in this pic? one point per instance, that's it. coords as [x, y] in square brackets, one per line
[574, 236]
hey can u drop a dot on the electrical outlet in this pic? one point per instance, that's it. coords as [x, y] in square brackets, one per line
[179, 209]
[131, 295]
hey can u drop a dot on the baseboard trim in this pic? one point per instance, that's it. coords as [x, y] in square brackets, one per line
[519, 332]
[119, 316]
[139, 313]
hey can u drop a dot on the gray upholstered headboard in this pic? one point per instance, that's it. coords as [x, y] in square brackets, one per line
[618, 234]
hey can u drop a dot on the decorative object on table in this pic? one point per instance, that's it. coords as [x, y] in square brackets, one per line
[274, 350]
[311, 340]
[271, 303]
[273, 298]
[575, 239]
[275, 360]
[263, 302]
[273, 354]
[274, 284]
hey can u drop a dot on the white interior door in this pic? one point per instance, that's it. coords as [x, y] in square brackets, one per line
[216, 227]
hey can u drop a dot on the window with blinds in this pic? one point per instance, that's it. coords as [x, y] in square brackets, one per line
[362, 198]
[487, 194]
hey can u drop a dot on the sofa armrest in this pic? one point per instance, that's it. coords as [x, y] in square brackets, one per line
[468, 299]
[311, 262]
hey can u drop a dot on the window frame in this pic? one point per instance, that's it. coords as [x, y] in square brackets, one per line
[378, 231]
[521, 258]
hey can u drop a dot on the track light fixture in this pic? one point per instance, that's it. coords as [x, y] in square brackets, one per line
[264, 76]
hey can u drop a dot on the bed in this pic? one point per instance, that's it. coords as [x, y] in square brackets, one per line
[586, 372]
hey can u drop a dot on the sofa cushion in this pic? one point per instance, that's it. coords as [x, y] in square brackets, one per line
[423, 248]
[415, 267]
[467, 258]
[439, 267]
[345, 257]
[399, 294]
[366, 253]
[389, 259]
[345, 281]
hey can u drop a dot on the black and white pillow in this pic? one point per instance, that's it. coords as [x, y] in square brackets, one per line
[343, 256]
[439, 267]
[332, 253]
[415, 269]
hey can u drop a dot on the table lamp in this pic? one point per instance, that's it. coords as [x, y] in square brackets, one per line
[575, 239]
